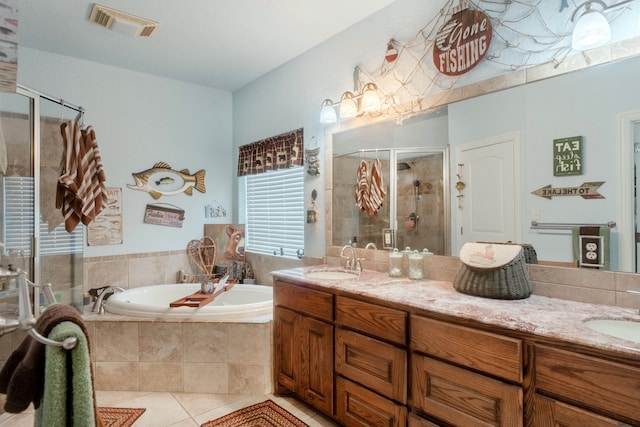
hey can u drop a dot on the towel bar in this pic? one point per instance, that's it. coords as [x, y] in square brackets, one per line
[535, 225]
[27, 320]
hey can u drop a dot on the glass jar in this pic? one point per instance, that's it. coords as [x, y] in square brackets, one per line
[395, 263]
[405, 261]
[416, 265]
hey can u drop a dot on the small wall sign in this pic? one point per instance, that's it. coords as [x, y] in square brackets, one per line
[162, 215]
[588, 190]
[462, 42]
[567, 156]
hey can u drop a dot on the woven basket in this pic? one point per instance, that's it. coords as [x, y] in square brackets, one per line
[510, 281]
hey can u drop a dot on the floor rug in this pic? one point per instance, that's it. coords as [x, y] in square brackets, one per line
[119, 417]
[263, 414]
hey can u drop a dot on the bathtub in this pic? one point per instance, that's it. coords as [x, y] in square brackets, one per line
[240, 302]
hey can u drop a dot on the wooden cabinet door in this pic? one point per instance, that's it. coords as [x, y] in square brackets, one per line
[286, 357]
[550, 412]
[316, 375]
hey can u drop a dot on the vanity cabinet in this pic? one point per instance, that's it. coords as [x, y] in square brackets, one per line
[463, 376]
[303, 344]
[575, 386]
[371, 364]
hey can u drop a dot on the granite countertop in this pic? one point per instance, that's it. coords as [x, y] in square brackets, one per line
[547, 317]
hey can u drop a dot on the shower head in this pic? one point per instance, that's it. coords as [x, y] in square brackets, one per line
[403, 166]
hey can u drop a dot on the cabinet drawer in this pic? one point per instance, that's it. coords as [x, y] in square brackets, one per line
[416, 421]
[462, 397]
[357, 406]
[550, 412]
[606, 386]
[308, 301]
[381, 322]
[483, 351]
[372, 363]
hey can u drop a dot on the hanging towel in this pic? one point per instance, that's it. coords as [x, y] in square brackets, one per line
[376, 188]
[591, 246]
[22, 376]
[81, 191]
[68, 397]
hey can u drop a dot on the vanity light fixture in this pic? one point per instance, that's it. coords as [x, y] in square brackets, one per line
[592, 27]
[352, 105]
[328, 113]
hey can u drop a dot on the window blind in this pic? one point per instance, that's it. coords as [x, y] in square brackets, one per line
[18, 222]
[275, 212]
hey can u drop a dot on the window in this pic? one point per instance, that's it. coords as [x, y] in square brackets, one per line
[18, 222]
[275, 212]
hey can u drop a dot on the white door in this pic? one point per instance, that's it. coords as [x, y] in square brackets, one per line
[489, 209]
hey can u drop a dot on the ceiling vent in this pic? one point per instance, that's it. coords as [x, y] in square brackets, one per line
[122, 22]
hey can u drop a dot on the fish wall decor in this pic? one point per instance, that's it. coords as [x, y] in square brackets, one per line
[161, 180]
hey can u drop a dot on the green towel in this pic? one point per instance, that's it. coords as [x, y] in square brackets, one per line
[67, 399]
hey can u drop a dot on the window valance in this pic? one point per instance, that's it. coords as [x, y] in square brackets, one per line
[277, 152]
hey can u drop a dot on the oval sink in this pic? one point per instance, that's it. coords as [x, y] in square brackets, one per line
[620, 328]
[331, 275]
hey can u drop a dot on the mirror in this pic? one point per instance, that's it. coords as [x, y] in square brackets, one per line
[414, 164]
[584, 103]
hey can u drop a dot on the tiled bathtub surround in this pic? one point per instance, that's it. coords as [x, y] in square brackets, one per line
[196, 357]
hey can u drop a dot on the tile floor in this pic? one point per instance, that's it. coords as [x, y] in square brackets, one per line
[166, 409]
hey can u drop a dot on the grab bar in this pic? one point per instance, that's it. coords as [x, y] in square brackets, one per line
[535, 225]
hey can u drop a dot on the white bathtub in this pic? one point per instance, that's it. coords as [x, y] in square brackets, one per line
[240, 302]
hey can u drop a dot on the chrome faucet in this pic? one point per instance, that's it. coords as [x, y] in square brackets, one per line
[99, 304]
[353, 262]
[350, 259]
[371, 245]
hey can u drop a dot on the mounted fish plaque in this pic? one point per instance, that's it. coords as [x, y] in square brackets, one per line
[161, 180]
[162, 215]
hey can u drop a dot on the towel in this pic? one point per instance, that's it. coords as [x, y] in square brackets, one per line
[22, 376]
[591, 246]
[67, 399]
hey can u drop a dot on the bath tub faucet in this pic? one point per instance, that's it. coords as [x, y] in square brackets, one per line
[106, 293]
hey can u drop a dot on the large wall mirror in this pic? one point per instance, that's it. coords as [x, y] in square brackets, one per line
[601, 104]
[414, 169]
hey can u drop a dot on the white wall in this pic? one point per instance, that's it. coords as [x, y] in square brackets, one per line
[139, 120]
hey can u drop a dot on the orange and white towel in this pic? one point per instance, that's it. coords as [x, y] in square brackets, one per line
[81, 192]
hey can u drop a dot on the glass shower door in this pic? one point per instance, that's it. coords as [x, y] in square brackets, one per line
[17, 194]
[60, 252]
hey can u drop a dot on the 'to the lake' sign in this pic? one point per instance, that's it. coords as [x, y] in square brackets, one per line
[462, 42]
[588, 190]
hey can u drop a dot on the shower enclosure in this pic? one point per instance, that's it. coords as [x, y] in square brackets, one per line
[414, 210]
[32, 229]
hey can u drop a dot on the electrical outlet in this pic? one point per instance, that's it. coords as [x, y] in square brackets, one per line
[535, 214]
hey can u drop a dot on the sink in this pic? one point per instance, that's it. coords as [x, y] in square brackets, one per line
[620, 328]
[331, 275]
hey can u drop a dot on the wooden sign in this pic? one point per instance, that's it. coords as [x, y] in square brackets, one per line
[161, 215]
[588, 190]
[462, 42]
[567, 156]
